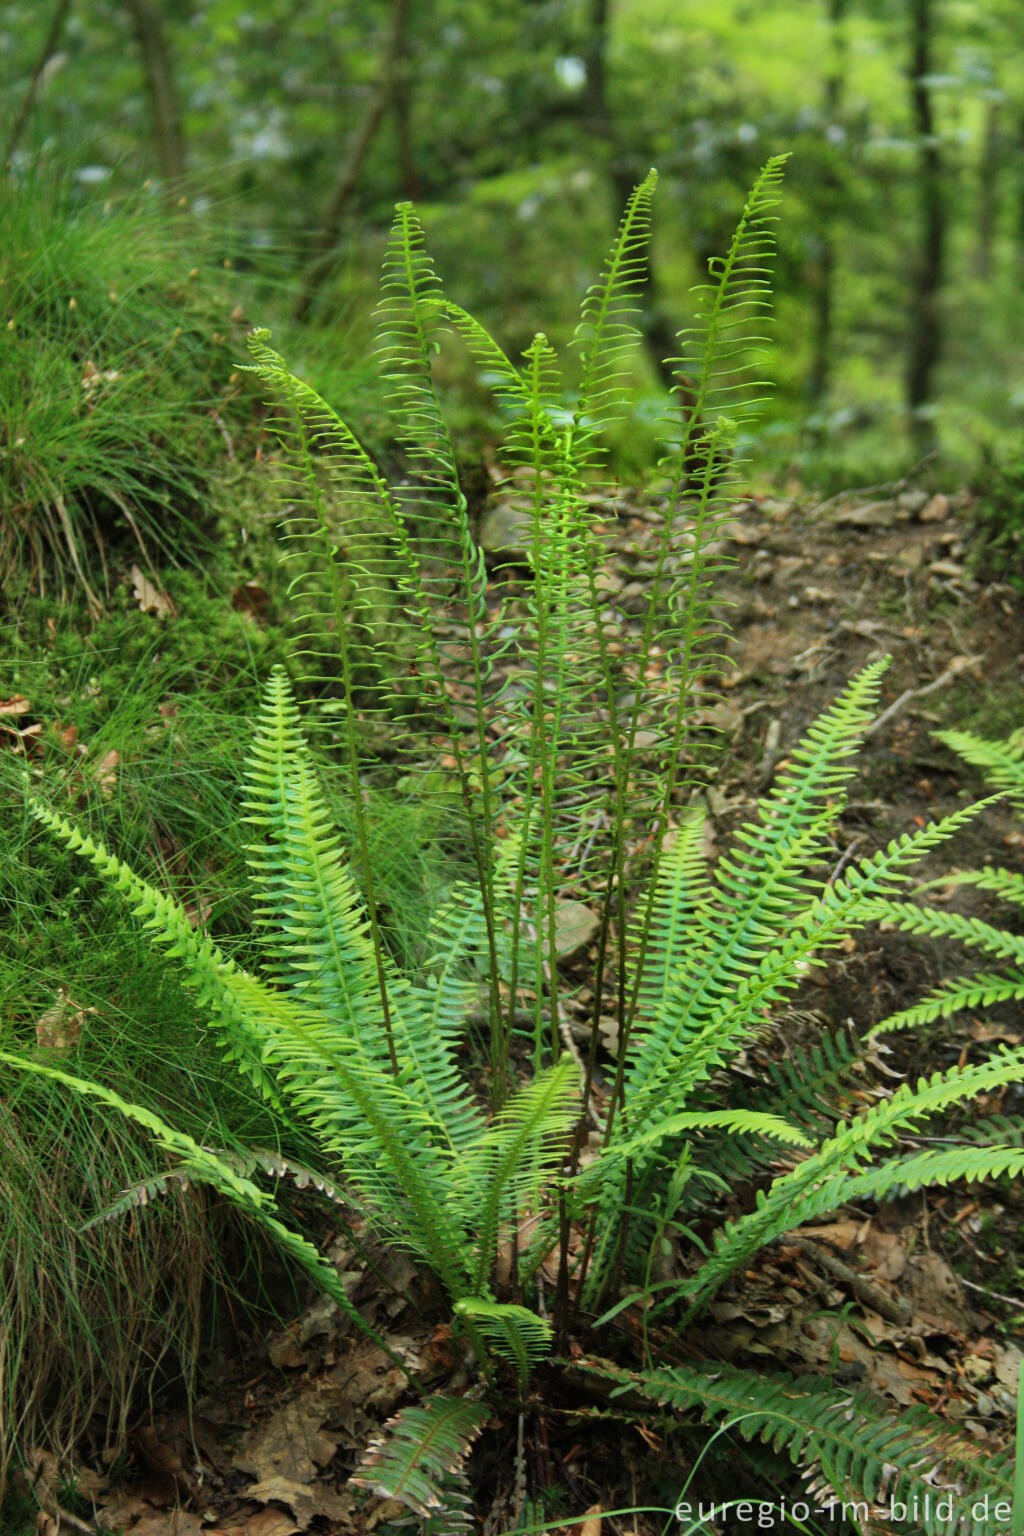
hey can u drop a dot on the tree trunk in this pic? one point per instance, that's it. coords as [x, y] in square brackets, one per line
[49, 48]
[820, 376]
[988, 191]
[389, 84]
[164, 105]
[925, 337]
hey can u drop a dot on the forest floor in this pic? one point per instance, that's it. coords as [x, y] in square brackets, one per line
[817, 591]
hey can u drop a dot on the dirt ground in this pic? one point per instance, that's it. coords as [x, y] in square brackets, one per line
[816, 592]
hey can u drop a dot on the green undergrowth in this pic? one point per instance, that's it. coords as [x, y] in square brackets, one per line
[117, 395]
[139, 725]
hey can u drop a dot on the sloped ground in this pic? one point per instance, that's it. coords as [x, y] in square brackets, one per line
[871, 1298]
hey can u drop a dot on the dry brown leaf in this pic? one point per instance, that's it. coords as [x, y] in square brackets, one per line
[19, 705]
[150, 599]
[105, 772]
[285, 1490]
[266, 1522]
[60, 1027]
[252, 599]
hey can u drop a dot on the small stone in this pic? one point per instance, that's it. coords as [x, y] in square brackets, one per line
[936, 510]
[576, 926]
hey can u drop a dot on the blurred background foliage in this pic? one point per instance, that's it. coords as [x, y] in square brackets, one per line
[286, 134]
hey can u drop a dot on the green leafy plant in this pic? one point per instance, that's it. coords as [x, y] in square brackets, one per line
[570, 767]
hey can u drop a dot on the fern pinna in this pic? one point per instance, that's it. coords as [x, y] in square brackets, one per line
[366, 1054]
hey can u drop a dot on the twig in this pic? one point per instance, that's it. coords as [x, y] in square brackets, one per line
[957, 665]
[866, 1292]
[1011, 1301]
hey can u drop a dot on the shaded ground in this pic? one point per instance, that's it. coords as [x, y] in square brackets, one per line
[871, 1298]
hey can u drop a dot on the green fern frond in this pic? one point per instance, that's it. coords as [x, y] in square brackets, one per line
[606, 334]
[761, 891]
[838, 1438]
[1004, 883]
[816, 1186]
[341, 509]
[1002, 762]
[514, 1332]
[928, 922]
[271, 1164]
[512, 1159]
[743, 1121]
[420, 1457]
[205, 1166]
[982, 990]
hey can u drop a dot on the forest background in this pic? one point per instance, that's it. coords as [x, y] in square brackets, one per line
[518, 131]
[177, 173]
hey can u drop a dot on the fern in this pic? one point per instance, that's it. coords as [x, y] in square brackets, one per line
[367, 1055]
[841, 1441]
[419, 1460]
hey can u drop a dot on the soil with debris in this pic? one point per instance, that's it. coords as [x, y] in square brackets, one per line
[874, 1298]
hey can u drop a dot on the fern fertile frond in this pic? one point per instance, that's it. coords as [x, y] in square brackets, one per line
[606, 334]
[341, 508]
[408, 317]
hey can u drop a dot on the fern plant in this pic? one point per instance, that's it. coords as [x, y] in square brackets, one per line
[568, 765]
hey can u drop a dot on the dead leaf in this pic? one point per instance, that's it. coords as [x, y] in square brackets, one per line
[267, 1522]
[60, 1027]
[252, 599]
[149, 597]
[285, 1490]
[576, 926]
[19, 705]
[105, 772]
[289, 1445]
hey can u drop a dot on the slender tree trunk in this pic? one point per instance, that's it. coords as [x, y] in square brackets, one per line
[925, 338]
[988, 191]
[401, 99]
[49, 48]
[388, 84]
[164, 105]
[820, 376]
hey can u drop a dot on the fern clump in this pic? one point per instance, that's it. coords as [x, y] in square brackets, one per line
[566, 764]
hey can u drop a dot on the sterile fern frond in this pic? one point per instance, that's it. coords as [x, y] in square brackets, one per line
[1002, 762]
[821, 1181]
[420, 1457]
[512, 1159]
[842, 1440]
[514, 1332]
[204, 1166]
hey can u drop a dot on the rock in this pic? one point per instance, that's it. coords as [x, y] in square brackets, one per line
[936, 510]
[873, 514]
[576, 926]
[505, 532]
